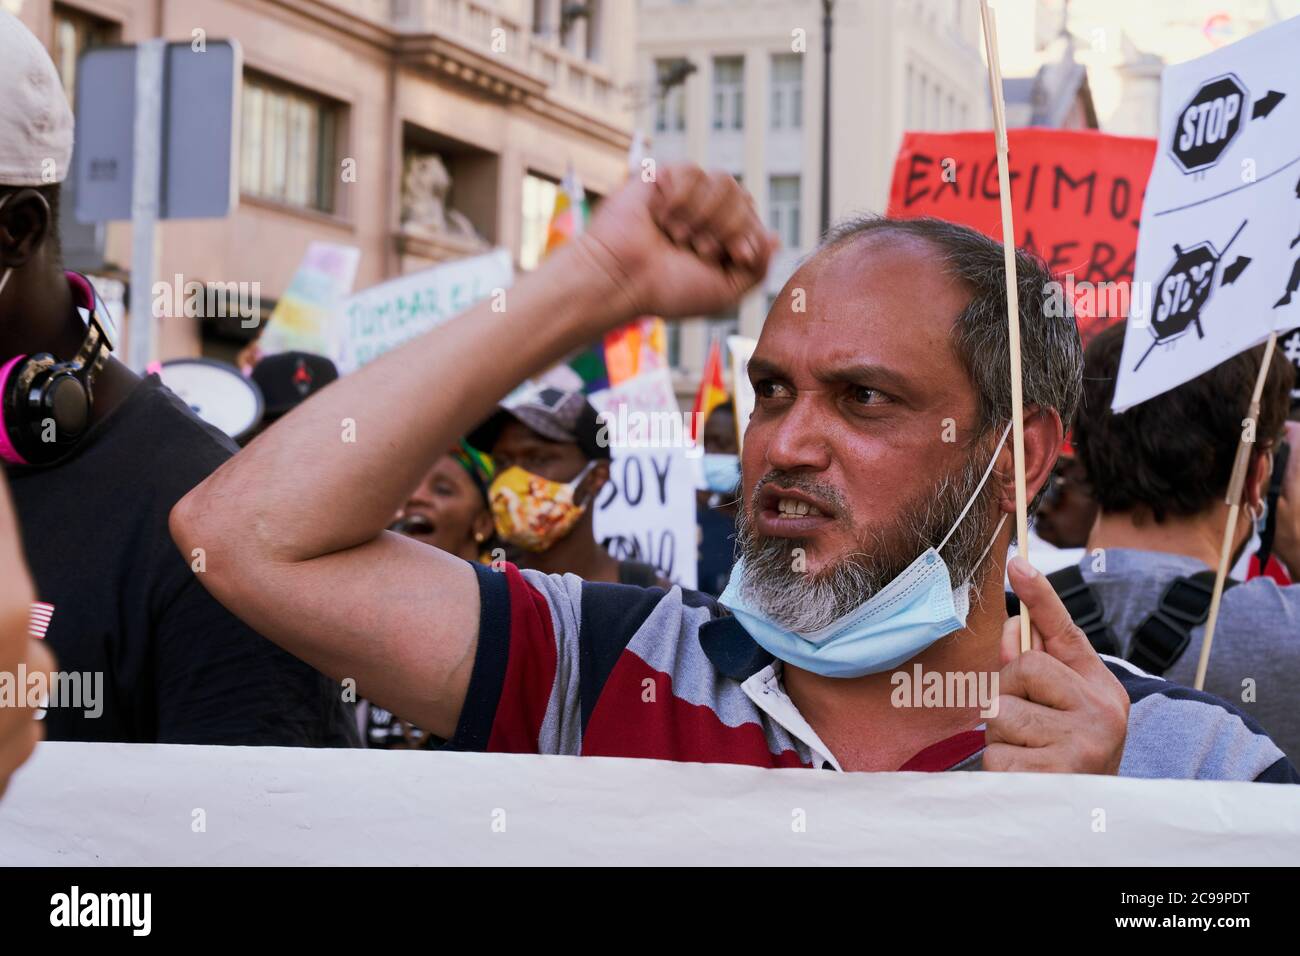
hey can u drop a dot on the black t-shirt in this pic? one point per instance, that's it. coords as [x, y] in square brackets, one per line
[176, 666]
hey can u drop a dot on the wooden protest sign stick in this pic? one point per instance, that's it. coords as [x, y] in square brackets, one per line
[1013, 299]
[1236, 485]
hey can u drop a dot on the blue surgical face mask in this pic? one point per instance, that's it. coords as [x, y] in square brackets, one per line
[899, 621]
[720, 473]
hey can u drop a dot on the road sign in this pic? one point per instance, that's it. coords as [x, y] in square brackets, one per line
[156, 134]
[197, 138]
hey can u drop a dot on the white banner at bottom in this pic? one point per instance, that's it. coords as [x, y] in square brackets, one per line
[136, 804]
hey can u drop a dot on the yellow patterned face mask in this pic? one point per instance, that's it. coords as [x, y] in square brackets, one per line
[532, 512]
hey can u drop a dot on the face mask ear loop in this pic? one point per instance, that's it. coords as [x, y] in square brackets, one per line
[985, 553]
[582, 474]
[989, 547]
[573, 485]
[978, 488]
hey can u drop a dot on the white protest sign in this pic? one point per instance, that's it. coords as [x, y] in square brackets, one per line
[303, 319]
[379, 319]
[86, 804]
[741, 348]
[647, 511]
[1218, 259]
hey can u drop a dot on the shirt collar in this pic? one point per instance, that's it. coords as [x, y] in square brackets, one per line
[1126, 560]
[730, 649]
[736, 655]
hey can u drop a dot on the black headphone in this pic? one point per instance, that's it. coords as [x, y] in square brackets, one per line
[45, 404]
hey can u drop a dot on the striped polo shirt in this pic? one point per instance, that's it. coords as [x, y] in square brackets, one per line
[566, 666]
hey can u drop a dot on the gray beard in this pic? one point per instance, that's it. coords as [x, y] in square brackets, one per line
[776, 585]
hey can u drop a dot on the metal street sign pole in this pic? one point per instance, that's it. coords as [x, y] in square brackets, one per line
[150, 66]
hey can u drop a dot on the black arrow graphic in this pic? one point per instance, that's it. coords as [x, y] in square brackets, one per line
[1264, 105]
[1231, 273]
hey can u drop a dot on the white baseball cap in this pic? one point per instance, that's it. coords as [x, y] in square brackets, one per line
[35, 119]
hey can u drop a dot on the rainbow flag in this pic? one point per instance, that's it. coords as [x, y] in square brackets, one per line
[712, 391]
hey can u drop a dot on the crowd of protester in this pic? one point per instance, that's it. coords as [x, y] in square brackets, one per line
[224, 594]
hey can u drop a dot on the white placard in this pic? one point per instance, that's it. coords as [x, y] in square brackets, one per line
[647, 511]
[378, 319]
[1218, 260]
[137, 804]
[303, 318]
[741, 349]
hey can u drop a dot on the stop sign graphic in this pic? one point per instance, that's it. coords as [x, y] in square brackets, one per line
[1183, 291]
[1209, 123]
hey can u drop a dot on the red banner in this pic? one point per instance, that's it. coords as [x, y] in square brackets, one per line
[1076, 201]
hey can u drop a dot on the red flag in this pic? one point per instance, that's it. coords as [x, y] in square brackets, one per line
[712, 391]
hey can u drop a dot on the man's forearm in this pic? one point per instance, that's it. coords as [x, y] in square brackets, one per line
[333, 472]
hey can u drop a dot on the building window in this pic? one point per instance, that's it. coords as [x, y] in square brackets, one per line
[723, 324]
[787, 91]
[783, 211]
[729, 92]
[74, 33]
[674, 345]
[542, 25]
[670, 102]
[909, 96]
[538, 207]
[595, 30]
[289, 144]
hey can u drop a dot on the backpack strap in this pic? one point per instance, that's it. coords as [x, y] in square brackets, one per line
[1084, 607]
[1161, 639]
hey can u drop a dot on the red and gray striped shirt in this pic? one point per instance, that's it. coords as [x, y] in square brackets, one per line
[566, 666]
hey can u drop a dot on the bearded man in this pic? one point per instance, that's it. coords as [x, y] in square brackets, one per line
[876, 480]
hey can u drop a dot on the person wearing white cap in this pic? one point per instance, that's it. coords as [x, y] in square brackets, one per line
[96, 456]
[36, 124]
[37, 299]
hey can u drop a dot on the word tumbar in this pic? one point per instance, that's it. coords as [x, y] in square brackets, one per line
[103, 909]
